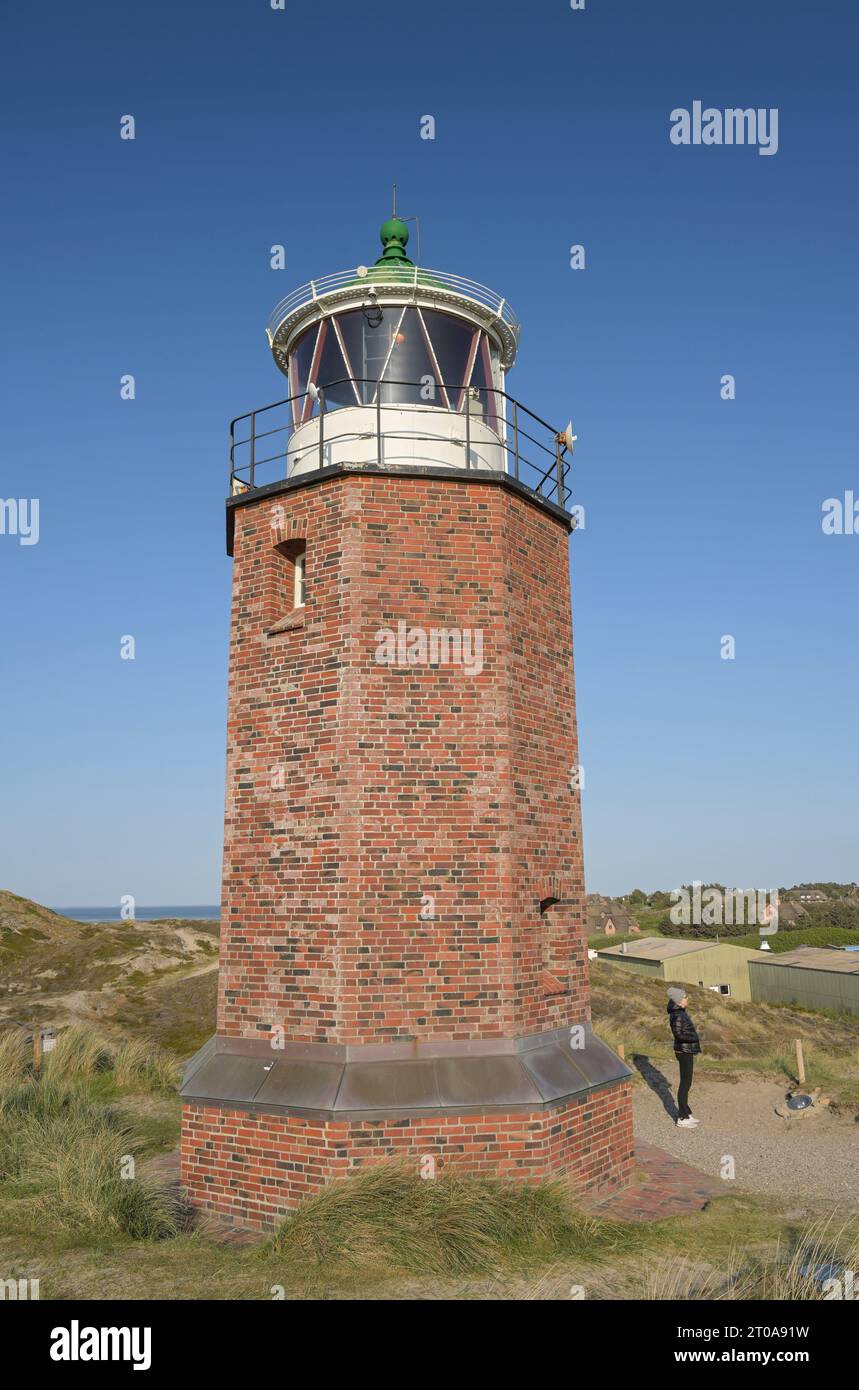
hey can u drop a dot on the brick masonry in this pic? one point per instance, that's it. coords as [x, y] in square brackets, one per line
[358, 790]
[252, 1168]
[402, 858]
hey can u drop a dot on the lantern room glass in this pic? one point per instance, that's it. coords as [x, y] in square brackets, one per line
[420, 356]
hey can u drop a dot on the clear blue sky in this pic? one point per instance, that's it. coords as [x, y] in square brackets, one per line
[703, 516]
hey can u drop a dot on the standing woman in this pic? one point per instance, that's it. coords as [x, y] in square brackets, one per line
[686, 1045]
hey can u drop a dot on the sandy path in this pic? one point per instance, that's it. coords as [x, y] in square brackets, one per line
[816, 1156]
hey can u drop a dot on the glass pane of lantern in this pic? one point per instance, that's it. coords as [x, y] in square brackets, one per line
[409, 362]
[451, 341]
[332, 369]
[367, 346]
[486, 403]
[302, 356]
[396, 346]
[498, 377]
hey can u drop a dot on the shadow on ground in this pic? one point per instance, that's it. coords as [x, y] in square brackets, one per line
[658, 1083]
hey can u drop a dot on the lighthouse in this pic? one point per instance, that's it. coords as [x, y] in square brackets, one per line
[403, 967]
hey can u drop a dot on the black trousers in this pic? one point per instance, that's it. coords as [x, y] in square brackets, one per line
[686, 1062]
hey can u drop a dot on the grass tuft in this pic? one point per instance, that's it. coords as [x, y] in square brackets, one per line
[795, 1269]
[142, 1061]
[65, 1161]
[66, 1155]
[78, 1052]
[77, 1163]
[14, 1058]
[798, 1273]
[81, 1054]
[387, 1217]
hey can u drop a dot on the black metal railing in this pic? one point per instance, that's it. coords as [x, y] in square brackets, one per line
[525, 446]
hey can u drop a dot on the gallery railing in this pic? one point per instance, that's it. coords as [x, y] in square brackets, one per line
[531, 450]
[398, 279]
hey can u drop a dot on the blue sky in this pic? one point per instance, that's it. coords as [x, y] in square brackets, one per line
[703, 516]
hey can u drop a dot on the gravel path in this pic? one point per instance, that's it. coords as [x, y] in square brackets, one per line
[816, 1156]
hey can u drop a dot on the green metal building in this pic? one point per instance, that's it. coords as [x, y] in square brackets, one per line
[713, 964]
[814, 977]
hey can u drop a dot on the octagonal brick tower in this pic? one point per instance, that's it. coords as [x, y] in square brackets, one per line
[403, 967]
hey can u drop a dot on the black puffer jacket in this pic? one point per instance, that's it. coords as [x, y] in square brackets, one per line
[685, 1033]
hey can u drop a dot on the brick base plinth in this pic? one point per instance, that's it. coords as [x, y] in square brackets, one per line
[252, 1168]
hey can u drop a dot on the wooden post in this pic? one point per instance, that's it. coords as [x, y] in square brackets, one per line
[37, 1050]
[621, 1051]
[800, 1063]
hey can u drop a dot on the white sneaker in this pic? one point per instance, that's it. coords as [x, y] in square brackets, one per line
[687, 1124]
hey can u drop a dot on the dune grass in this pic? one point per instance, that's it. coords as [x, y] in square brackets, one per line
[795, 1268]
[72, 1167]
[799, 1269]
[388, 1218]
[68, 1161]
[71, 1142]
[14, 1057]
[67, 1155]
[142, 1061]
[82, 1053]
[78, 1052]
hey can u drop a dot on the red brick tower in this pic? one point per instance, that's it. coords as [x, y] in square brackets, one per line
[404, 961]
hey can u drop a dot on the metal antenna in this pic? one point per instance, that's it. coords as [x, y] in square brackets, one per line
[417, 222]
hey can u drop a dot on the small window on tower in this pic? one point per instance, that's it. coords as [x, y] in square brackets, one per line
[298, 578]
[291, 586]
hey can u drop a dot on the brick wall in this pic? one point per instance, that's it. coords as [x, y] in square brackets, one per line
[403, 856]
[358, 791]
[252, 1168]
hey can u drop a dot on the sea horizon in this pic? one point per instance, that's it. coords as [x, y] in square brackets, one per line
[209, 912]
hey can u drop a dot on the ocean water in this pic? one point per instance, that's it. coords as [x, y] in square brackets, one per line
[207, 912]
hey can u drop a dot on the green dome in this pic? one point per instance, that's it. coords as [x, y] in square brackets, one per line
[393, 264]
[394, 235]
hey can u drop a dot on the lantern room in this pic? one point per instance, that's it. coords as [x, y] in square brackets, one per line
[395, 365]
